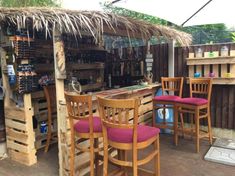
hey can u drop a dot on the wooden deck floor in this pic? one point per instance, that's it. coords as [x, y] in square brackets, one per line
[175, 161]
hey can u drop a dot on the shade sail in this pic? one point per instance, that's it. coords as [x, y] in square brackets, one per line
[178, 11]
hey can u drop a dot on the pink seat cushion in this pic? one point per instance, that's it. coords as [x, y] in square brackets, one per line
[82, 126]
[193, 101]
[166, 98]
[126, 135]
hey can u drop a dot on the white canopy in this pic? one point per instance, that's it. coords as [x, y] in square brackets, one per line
[178, 11]
[175, 11]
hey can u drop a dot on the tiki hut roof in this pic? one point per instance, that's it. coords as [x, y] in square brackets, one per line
[93, 22]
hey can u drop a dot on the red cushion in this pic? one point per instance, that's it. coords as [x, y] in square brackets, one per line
[126, 135]
[172, 98]
[82, 126]
[193, 101]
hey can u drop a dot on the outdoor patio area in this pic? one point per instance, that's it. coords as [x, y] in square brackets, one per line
[117, 90]
[177, 161]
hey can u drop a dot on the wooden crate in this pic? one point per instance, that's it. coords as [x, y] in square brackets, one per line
[23, 158]
[41, 115]
[220, 66]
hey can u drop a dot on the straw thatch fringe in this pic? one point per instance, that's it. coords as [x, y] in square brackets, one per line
[93, 22]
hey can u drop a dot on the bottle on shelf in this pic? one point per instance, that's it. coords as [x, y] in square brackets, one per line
[224, 51]
[109, 81]
[199, 52]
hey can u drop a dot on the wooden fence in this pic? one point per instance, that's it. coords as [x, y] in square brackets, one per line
[223, 96]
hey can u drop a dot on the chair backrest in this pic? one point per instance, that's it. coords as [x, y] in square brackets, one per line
[118, 113]
[80, 107]
[50, 95]
[200, 87]
[172, 84]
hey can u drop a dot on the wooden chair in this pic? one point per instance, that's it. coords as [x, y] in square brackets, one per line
[87, 127]
[169, 85]
[122, 132]
[50, 95]
[197, 107]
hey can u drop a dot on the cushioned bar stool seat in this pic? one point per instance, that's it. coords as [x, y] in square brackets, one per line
[171, 86]
[122, 132]
[84, 126]
[192, 101]
[126, 135]
[197, 108]
[170, 98]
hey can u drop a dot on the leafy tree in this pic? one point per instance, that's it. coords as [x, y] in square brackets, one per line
[27, 3]
[215, 33]
[135, 15]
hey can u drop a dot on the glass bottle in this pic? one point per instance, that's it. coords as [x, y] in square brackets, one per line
[199, 52]
[224, 51]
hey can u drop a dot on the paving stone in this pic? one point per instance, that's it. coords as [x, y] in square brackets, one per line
[221, 155]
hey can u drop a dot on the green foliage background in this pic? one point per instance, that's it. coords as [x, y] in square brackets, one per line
[32, 3]
[213, 33]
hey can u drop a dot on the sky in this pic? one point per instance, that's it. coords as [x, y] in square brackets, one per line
[82, 4]
[176, 11]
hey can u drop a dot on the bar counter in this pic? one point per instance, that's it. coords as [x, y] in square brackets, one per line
[143, 92]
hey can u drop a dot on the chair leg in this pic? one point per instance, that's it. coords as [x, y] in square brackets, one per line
[154, 114]
[92, 156]
[48, 134]
[97, 167]
[157, 157]
[135, 160]
[72, 149]
[176, 125]
[122, 155]
[124, 158]
[182, 123]
[209, 125]
[105, 143]
[191, 124]
[164, 114]
[197, 122]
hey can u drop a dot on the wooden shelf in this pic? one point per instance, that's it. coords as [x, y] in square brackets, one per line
[222, 80]
[211, 60]
[88, 87]
[42, 68]
[86, 48]
[92, 66]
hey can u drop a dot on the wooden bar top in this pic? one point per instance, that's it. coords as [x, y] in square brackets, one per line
[121, 91]
[126, 90]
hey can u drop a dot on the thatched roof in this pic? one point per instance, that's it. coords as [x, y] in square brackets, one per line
[96, 23]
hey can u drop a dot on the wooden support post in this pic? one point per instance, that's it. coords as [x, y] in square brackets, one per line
[28, 109]
[171, 58]
[60, 75]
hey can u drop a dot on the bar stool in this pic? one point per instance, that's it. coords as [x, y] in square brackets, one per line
[87, 127]
[121, 132]
[197, 107]
[170, 85]
[50, 95]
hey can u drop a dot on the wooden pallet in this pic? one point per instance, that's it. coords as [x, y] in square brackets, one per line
[19, 141]
[41, 114]
[222, 67]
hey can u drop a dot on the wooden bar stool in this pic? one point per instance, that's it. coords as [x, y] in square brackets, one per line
[121, 132]
[86, 126]
[170, 85]
[197, 107]
[50, 94]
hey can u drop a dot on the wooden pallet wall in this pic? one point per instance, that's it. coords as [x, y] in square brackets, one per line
[223, 96]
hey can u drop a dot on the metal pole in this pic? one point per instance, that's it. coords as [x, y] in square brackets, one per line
[196, 13]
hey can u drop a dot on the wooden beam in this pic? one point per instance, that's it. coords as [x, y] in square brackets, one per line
[59, 82]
